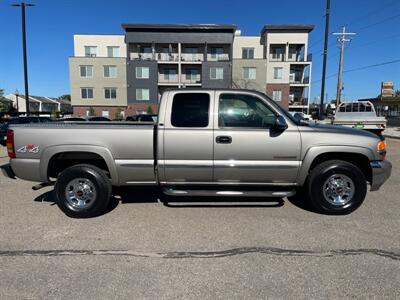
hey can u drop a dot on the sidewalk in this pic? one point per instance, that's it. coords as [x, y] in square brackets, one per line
[392, 132]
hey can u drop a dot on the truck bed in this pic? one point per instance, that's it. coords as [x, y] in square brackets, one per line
[129, 144]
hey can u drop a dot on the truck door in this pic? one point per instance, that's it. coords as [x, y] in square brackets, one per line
[187, 138]
[246, 147]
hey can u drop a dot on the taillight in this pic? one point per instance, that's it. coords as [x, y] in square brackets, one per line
[10, 143]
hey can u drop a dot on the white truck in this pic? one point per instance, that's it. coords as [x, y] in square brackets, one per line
[360, 115]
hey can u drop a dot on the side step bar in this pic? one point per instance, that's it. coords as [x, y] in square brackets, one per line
[219, 193]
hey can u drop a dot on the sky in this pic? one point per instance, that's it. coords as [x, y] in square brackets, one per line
[52, 23]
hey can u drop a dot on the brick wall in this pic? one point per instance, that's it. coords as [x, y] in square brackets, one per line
[279, 87]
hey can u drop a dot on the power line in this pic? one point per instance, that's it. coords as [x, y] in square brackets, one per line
[372, 12]
[380, 22]
[362, 68]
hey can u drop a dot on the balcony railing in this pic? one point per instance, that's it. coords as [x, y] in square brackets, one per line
[218, 57]
[298, 80]
[167, 56]
[192, 57]
[141, 56]
[191, 78]
[297, 101]
[173, 79]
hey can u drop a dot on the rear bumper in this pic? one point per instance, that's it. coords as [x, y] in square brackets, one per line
[381, 170]
[7, 171]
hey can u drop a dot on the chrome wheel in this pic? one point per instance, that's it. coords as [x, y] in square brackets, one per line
[80, 193]
[338, 189]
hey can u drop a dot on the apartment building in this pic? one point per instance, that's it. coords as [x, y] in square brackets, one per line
[98, 75]
[128, 73]
[165, 56]
[288, 64]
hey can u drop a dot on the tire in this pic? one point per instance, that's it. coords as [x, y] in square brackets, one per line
[83, 191]
[336, 187]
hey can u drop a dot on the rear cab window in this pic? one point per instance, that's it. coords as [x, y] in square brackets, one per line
[190, 110]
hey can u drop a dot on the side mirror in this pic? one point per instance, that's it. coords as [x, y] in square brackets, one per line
[280, 123]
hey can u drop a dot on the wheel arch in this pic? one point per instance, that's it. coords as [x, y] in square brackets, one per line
[358, 156]
[77, 154]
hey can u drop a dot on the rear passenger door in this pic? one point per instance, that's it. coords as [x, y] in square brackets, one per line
[188, 138]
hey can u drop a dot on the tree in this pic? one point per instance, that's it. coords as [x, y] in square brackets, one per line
[118, 115]
[149, 110]
[92, 112]
[5, 104]
[65, 97]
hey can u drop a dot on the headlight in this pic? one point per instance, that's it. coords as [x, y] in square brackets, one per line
[381, 149]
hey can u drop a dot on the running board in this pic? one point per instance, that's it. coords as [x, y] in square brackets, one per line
[218, 193]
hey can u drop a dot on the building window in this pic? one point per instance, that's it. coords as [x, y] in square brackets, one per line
[248, 53]
[142, 72]
[190, 110]
[110, 93]
[86, 71]
[192, 75]
[87, 93]
[277, 53]
[90, 51]
[216, 73]
[110, 71]
[278, 73]
[143, 94]
[170, 74]
[249, 73]
[105, 113]
[216, 53]
[112, 51]
[277, 95]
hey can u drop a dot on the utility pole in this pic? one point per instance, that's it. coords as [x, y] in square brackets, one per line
[321, 105]
[342, 40]
[23, 5]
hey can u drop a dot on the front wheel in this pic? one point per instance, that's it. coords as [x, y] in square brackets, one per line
[83, 191]
[337, 187]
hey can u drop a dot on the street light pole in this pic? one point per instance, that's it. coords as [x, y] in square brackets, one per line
[327, 13]
[23, 5]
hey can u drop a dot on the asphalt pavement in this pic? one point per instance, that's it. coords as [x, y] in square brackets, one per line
[144, 249]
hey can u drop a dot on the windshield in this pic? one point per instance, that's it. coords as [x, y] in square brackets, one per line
[283, 111]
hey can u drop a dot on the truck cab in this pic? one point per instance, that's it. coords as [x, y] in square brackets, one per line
[225, 137]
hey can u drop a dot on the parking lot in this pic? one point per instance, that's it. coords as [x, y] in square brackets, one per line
[198, 250]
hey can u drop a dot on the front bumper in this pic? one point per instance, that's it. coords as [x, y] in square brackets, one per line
[7, 171]
[381, 170]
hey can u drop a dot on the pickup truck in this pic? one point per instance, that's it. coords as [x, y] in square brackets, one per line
[206, 142]
[359, 115]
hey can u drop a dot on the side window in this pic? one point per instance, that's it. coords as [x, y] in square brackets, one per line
[190, 110]
[245, 111]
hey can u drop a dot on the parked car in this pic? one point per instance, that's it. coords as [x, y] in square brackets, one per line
[300, 116]
[361, 115]
[201, 146]
[73, 119]
[20, 120]
[143, 118]
[104, 119]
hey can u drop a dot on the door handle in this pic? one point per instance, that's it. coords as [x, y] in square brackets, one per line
[223, 139]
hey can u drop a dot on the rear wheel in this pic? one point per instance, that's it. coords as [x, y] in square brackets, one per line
[83, 191]
[337, 187]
